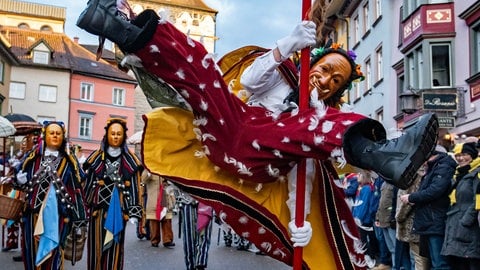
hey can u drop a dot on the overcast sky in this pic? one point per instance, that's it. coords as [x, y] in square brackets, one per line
[239, 22]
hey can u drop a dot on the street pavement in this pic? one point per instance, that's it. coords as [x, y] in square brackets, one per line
[139, 254]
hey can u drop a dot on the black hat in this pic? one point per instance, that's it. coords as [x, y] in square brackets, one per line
[471, 149]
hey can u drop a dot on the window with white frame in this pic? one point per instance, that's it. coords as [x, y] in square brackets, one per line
[441, 63]
[368, 75]
[118, 96]
[85, 126]
[379, 115]
[86, 91]
[47, 93]
[40, 57]
[378, 8]
[420, 67]
[476, 49]
[17, 90]
[356, 90]
[379, 56]
[356, 30]
[415, 69]
[366, 18]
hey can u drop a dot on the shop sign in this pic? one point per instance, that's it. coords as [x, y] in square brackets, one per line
[446, 122]
[439, 101]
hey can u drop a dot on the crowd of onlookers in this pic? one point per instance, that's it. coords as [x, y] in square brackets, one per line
[434, 224]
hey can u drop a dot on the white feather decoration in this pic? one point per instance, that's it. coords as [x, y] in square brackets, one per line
[327, 126]
[205, 62]
[306, 148]
[274, 172]
[198, 134]
[277, 153]
[347, 230]
[255, 145]
[200, 121]
[180, 74]
[318, 139]
[154, 49]
[190, 40]
[184, 93]
[203, 105]
[164, 15]
[314, 121]
[208, 136]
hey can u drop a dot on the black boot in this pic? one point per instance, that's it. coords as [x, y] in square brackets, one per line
[396, 160]
[102, 18]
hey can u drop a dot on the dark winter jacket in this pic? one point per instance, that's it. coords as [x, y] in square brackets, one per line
[431, 201]
[462, 235]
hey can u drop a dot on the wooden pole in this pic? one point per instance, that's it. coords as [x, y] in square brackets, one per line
[301, 170]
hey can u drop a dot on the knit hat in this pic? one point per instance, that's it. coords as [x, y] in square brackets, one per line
[467, 148]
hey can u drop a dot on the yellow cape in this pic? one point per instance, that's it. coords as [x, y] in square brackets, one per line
[169, 141]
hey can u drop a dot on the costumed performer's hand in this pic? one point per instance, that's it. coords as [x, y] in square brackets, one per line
[133, 220]
[304, 35]
[300, 236]
[22, 177]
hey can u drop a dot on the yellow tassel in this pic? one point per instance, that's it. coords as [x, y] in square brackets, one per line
[477, 201]
[453, 200]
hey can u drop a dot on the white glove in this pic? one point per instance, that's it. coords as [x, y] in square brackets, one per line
[22, 177]
[133, 220]
[300, 236]
[304, 35]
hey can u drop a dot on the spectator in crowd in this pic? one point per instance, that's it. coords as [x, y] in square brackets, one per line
[407, 254]
[113, 196]
[350, 187]
[364, 215]
[13, 226]
[50, 176]
[462, 235]
[159, 209]
[385, 225]
[431, 202]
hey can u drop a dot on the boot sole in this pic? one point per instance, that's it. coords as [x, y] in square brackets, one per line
[424, 150]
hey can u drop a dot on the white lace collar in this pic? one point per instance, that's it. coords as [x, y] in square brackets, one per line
[114, 151]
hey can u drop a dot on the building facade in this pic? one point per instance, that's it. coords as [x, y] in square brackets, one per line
[57, 79]
[418, 56]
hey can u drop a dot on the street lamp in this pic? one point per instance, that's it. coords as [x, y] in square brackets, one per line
[408, 101]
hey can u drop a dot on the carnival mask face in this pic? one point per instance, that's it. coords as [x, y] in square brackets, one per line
[54, 136]
[115, 135]
[329, 74]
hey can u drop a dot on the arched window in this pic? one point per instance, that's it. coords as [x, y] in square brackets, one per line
[23, 26]
[46, 28]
